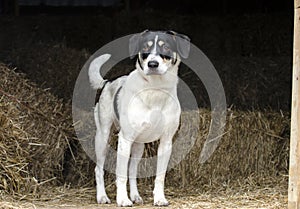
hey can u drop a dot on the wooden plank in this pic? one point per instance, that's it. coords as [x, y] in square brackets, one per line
[294, 170]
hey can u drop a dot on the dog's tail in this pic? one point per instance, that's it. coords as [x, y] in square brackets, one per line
[95, 77]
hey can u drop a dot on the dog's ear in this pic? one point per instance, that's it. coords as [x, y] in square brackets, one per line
[183, 44]
[134, 44]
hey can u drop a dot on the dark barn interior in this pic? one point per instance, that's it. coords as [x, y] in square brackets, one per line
[43, 46]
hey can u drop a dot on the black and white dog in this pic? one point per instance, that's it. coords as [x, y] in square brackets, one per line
[145, 106]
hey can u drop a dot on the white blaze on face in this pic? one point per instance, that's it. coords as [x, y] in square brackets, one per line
[155, 44]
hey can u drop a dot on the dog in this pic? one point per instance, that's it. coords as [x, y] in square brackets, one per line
[145, 107]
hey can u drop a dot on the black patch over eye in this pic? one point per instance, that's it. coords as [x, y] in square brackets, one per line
[165, 56]
[145, 55]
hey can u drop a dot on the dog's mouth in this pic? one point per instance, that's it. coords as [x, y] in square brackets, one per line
[153, 68]
[152, 71]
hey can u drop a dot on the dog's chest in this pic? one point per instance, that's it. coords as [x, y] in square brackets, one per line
[151, 112]
[152, 99]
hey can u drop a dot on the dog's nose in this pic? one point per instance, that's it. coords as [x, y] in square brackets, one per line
[153, 64]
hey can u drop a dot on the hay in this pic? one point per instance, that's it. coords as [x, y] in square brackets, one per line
[255, 144]
[34, 135]
[249, 168]
[12, 205]
[36, 128]
[55, 66]
[249, 82]
[270, 195]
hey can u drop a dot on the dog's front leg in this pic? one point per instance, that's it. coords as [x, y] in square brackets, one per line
[163, 157]
[137, 150]
[124, 148]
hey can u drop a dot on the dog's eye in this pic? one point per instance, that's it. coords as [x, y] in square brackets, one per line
[146, 48]
[166, 48]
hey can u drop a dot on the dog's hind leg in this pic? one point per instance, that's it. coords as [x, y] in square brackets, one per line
[101, 143]
[101, 146]
[137, 150]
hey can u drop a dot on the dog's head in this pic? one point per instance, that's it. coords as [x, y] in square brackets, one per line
[158, 51]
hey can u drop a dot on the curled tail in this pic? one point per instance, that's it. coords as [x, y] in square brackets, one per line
[95, 77]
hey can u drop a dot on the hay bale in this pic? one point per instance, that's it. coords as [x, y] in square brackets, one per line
[55, 66]
[34, 133]
[255, 145]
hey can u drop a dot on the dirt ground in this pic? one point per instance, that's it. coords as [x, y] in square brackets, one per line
[85, 199]
[270, 193]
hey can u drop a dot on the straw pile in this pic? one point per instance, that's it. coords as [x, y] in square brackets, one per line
[258, 82]
[255, 144]
[34, 132]
[55, 66]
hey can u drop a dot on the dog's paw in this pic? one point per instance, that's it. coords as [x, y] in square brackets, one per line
[161, 202]
[125, 202]
[103, 200]
[137, 199]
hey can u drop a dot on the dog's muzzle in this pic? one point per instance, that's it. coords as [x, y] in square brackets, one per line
[153, 68]
[153, 64]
